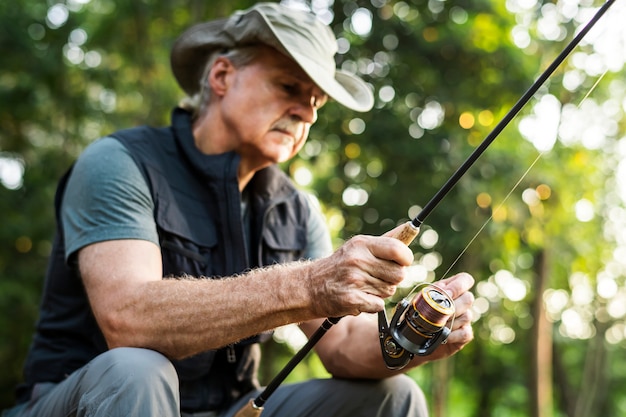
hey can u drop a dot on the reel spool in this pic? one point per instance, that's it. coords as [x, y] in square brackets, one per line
[417, 327]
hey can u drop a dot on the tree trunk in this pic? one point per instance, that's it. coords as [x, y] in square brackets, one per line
[441, 379]
[595, 379]
[541, 358]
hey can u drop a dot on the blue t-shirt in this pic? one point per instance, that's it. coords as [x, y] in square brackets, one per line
[107, 198]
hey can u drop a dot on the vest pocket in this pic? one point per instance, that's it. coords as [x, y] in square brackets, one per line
[171, 245]
[284, 244]
[188, 241]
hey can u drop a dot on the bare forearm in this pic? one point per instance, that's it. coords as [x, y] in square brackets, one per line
[135, 306]
[181, 317]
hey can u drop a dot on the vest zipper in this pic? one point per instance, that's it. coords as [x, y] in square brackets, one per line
[231, 356]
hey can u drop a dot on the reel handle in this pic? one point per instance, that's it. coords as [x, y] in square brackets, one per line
[394, 355]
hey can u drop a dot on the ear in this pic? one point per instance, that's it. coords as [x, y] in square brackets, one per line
[220, 76]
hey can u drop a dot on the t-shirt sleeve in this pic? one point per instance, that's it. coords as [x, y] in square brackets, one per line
[106, 198]
[319, 243]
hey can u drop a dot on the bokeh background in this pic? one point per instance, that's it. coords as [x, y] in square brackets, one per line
[539, 220]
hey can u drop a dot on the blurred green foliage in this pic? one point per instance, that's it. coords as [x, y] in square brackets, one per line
[444, 73]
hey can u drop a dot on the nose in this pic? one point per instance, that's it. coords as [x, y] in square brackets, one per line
[306, 109]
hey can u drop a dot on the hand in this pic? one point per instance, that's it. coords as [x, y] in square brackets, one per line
[358, 276]
[458, 288]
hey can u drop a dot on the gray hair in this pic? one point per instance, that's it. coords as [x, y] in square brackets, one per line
[239, 57]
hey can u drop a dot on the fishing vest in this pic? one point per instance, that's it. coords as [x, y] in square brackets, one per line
[198, 213]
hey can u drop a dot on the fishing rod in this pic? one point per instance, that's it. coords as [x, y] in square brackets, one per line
[418, 326]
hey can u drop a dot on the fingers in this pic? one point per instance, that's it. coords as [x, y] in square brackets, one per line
[460, 337]
[457, 285]
[377, 258]
[389, 249]
[458, 288]
[462, 333]
[360, 275]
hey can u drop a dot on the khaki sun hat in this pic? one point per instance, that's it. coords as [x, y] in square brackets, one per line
[296, 33]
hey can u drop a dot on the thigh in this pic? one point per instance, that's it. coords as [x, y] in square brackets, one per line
[121, 381]
[397, 396]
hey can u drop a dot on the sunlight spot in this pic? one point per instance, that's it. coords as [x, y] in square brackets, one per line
[458, 15]
[57, 16]
[291, 335]
[606, 287]
[530, 197]
[503, 334]
[416, 131]
[466, 120]
[416, 273]
[582, 294]
[617, 307]
[78, 37]
[11, 172]
[352, 169]
[584, 210]
[541, 127]
[521, 37]
[616, 333]
[556, 301]
[485, 118]
[432, 116]
[386, 93]
[481, 305]
[544, 191]
[23, 244]
[512, 287]
[354, 196]
[483, 200]
[73, 53]
[488, 290]
[575, 326]
[356, 126]
[428, 239]
[303, 176]
[573, 79]
[374, 168]
[93, 59]
[431, 261]
[361, 22]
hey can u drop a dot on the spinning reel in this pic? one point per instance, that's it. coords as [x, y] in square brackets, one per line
[417, 326]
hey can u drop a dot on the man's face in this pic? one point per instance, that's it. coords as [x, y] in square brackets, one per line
[269, 107]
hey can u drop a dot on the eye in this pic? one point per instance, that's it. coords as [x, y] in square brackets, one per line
[291, 89]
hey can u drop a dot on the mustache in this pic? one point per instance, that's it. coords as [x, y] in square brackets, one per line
[290, 125]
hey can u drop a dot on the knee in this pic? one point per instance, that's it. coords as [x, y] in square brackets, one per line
[134, 365]
[129, 381]
[401, 385]
[404, 393]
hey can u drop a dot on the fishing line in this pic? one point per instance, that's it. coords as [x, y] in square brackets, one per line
[497, 210]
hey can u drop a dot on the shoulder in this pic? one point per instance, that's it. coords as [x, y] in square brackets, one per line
[104, 155]
[106, 198]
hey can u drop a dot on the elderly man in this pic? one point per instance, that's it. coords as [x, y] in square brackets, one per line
[180, 248]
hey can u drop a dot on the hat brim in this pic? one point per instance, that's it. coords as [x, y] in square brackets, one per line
[345, 88]
[193, 48]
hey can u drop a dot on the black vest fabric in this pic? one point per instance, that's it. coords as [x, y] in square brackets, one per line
[198, 215]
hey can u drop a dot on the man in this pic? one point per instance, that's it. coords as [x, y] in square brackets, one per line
[179, 248]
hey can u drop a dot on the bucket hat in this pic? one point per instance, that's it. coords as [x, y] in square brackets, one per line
[298, 34]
